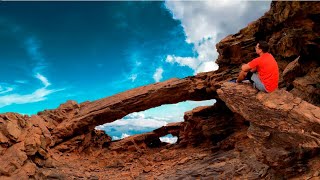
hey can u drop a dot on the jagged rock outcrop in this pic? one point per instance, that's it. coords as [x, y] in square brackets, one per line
[88, 142]
[208, 124]
[285, 129]
[246, 135]
[292, 30]
[24, 145]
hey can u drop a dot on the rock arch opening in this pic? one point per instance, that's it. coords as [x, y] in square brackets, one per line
[169, 138]
[152, 120]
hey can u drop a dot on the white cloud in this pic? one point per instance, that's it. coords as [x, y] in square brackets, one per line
[205, 23]
[135, 123]
[170, 59]
[124, 135]
[138, 120]
[206, 67]
[135, 115]
[43, 79]
[157, 76]
[4, 90]
[36, 96]
[170, 140]
[183, 61]
[175, 112]
[133, 77]
[21, 81]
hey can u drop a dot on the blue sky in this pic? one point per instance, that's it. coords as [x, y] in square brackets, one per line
[55, 51]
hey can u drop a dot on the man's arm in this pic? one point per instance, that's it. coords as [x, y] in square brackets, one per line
[244, 70]
[247, 68]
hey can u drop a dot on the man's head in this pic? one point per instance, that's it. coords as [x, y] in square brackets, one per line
[262, 47]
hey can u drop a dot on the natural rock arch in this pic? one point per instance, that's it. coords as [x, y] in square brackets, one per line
[91, 114]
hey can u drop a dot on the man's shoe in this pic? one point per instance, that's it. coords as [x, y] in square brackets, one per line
[233, 80]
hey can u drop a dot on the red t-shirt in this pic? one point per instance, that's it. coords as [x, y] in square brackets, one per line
[268, 71]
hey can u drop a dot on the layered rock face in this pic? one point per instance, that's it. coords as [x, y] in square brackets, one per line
[285, 129]
[208, 124]
[292, 30]
[246, 134]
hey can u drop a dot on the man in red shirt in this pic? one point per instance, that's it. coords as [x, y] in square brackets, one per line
[262, 71]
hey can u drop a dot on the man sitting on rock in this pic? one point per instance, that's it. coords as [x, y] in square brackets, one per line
[262, 71]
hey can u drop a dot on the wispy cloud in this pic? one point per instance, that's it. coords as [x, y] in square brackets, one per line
[9, 94]
[32, 46]
[157, 76]
[122, 20]
[36, 96]
[133, 73]
[4, 90]
[206, 22]
[133, 77]
[21, 81]
[43, 79]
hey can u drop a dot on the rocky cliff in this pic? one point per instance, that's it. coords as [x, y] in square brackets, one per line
[246, 134]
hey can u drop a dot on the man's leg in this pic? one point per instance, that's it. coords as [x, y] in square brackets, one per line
[248, 76]
[253, 70]
[244, 76]
[257, 83]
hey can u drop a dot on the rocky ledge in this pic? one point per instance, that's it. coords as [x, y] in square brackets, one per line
[246, 134]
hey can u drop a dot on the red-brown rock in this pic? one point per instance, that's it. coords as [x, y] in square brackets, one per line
[285, 128]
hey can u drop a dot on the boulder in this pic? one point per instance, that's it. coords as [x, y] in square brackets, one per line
[285, 128]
